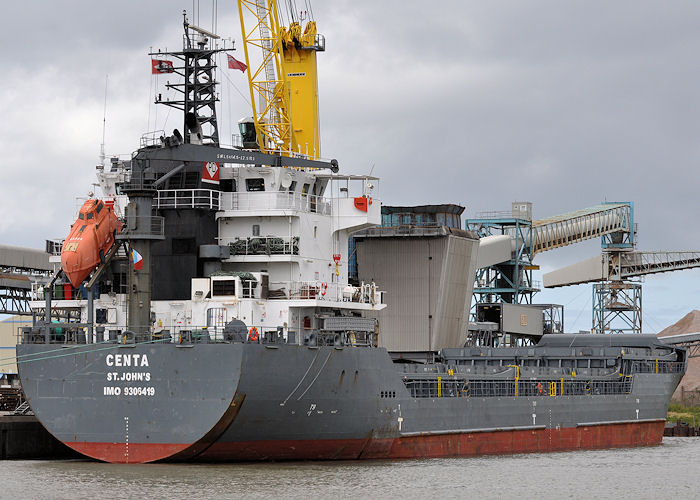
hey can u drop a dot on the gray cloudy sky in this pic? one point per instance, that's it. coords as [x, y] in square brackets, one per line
[562, 103]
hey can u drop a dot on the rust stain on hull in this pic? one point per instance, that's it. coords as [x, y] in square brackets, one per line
[447, 445]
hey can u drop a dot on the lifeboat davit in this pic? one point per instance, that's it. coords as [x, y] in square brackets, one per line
[91, 236]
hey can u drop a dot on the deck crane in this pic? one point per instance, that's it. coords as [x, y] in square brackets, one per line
[283, 84]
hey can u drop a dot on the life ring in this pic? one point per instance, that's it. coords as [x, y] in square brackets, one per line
[539, 388]
[324, 289]
[253, 334]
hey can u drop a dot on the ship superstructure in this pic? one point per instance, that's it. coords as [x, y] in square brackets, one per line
[221, 325]
[229, 234]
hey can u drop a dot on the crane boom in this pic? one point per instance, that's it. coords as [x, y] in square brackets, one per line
[272, 124]
[283, 85]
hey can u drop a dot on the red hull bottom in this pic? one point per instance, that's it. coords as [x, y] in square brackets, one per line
[621, 435]
[131, 453]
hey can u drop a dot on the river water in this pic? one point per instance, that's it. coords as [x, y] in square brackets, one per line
[671, 470]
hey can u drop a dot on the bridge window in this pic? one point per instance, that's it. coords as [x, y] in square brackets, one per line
[257, 184]
[293, 186]
[99, 208]
[228, 185]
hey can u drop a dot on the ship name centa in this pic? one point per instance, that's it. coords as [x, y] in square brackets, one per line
[127, 360]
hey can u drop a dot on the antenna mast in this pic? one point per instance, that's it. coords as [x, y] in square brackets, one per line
[196, 96]
[104, 126]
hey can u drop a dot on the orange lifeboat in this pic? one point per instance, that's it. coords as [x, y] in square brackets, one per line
[91, 236]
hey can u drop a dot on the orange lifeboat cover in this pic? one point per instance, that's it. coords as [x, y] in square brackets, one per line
[91, 236]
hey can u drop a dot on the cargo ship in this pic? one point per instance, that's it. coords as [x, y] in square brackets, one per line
[218, 323]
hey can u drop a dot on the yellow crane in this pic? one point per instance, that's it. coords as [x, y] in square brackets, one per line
[283, 84]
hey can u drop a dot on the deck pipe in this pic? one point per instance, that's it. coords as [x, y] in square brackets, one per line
[90, 316]
[48, 292]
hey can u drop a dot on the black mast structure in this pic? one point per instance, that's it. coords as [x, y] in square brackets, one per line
[196, 96]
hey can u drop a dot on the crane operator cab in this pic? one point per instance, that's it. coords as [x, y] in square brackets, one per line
[246, 126]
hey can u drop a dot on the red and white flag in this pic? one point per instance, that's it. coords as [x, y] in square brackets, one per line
[210, 172]
[234, 63]
[161, 66]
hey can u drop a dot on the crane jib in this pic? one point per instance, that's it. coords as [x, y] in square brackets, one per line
[192, 152]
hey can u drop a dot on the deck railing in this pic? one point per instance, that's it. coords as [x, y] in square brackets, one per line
[459, 385]
[367, 293]
[188, 198]
[267, 245]
[275, 200]
[112, 336]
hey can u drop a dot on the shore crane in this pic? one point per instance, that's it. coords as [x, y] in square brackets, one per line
[510, 241]
[617, 296]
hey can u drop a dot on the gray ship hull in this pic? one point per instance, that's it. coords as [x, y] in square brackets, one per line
[218, 402]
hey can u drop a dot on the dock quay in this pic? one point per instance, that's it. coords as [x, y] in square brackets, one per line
[680, 429]
[22, 437]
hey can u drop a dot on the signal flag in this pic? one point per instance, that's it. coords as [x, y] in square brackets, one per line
[159, 66]
[138, 260]
[233, 63]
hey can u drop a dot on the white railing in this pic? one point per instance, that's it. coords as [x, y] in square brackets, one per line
[275, 200]
[366, 293]
[188, 198]
[494, 214]
[152, 138]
